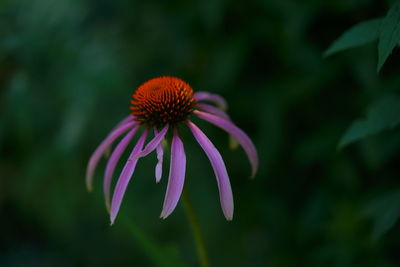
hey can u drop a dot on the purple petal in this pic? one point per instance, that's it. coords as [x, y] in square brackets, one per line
[176, 176]
[122, 122]
[160, 155]
[213, 110]
[127, 119]
[125, 177]
[233, 144]
[94, 159]
[112, 162]
[217, 99]
[152, 145]
[239, 135]
[218, 165]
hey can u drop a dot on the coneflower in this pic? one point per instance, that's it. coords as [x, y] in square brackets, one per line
[160, 105]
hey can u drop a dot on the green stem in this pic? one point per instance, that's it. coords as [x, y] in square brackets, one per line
[156, 254]
[197, 233]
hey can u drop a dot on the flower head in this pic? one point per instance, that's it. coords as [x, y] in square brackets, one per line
[160, 105]
[161, 101]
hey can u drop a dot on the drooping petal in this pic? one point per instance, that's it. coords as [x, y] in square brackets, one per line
[112, 162]
[212, 110]
[125, 120]
[218, 165]
[176, 176]
[122, 122]
[94, 159]
[152, 145]
[233, 144]
[214, 98]
[125, 177]
[160, 156]
[236, 132]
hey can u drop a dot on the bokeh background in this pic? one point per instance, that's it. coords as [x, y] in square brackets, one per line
[68, 69]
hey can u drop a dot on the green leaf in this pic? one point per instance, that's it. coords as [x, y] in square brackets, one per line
[389, 34]
[385, 212]
[384, 114]
[360, 34]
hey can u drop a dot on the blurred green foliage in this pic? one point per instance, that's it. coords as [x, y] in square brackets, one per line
[389, 36]
[384, 114]
[68, 69]
[386, 29]
[360, 34]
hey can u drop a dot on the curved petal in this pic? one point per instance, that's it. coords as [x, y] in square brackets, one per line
[212, 110]
[214, 98]
[236, 132]
[94, 159]
[125, 120]
[152, 145]
[218, 165]
[122, 122]
[233, 144]
[112, 162]
[125, 177]
[160, 156]
[176, 176]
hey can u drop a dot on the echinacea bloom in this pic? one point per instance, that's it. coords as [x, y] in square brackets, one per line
[160, 105]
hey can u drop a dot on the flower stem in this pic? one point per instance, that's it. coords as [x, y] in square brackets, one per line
[197, 233]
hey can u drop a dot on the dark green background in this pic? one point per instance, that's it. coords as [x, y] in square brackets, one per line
[68, 69]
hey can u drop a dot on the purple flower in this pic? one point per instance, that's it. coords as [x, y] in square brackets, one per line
[160, 105]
